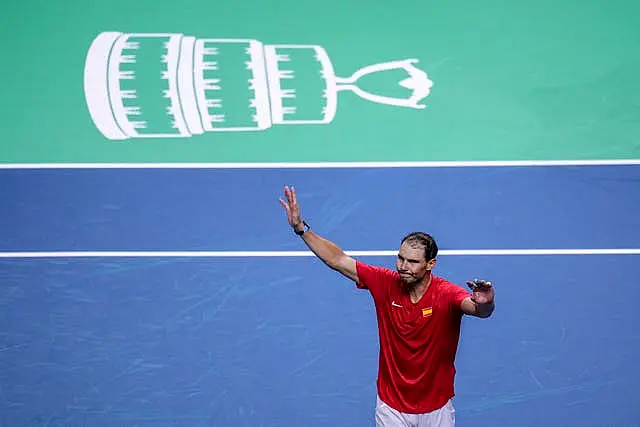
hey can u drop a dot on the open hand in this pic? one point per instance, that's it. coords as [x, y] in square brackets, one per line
[483, 291]
[291, 207]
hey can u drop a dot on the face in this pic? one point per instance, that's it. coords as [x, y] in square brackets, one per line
[412, 265]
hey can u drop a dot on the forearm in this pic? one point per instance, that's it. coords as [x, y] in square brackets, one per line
[327, 251]
[324, 249]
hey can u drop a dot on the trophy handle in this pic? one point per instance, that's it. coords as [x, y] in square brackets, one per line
[417, 81]
[379, 99]
[383, 66]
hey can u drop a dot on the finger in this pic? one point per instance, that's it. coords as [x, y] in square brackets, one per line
[478, 285]
[482, 283]
[485, 286]
[286, 207]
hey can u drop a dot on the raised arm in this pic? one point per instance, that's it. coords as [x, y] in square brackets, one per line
[327, 251]
[482, 302]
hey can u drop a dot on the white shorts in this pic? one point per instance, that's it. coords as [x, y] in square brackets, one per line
[386, 416]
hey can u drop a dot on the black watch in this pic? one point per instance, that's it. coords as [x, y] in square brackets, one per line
[305, 227]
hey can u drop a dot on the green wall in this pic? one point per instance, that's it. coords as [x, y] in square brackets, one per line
[528, 80]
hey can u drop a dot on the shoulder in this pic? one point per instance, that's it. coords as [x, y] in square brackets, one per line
[376, 270]
[449, 291]
[369, 275]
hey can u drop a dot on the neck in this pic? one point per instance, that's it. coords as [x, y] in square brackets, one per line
[416, 292]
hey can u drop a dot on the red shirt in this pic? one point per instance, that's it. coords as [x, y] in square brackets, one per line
[418, 342]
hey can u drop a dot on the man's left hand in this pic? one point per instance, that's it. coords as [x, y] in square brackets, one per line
[483, 292]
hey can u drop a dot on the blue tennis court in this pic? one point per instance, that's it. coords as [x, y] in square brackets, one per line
[206, 339]
[149, 277]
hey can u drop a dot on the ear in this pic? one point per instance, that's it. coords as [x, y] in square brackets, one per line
[431, 264]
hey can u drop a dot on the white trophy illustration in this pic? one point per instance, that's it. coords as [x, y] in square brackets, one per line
[172, 85]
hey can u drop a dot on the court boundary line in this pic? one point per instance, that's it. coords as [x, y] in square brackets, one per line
[325, 165]
[268, 254]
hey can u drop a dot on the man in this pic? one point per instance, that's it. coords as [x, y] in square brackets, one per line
[419, 317]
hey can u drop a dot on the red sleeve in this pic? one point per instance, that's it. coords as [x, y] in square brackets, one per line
[457, 294]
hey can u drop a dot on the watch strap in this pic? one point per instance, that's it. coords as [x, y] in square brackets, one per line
[305, 227]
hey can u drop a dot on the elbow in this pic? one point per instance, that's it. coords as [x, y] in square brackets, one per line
[333, 263]
[337, 262]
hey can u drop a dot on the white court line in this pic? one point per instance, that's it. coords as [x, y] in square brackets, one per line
[323, 165]
[258, 254]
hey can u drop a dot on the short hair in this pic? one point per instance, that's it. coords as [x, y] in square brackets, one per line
[425, 240]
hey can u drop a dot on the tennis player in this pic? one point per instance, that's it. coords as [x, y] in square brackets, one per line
[419, 316]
